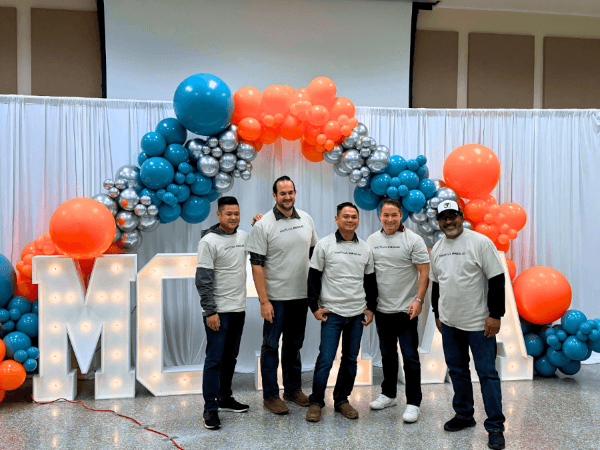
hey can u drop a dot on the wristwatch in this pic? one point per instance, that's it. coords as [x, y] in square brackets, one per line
[420, 301]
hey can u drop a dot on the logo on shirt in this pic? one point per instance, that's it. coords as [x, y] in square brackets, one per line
[233, 246]
[292, 228]
[347, 253]
[452, 254]
[386, 246]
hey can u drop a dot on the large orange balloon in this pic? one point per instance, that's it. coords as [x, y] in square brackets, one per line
[512, 268]
[276, 100]
[12, 375]
[291, 128]
[82, 228]
[341, 106]
[2, 350]
[318, 115]
[542, 294]
[514, 215]
[2, 394]
[322, 91]
[475, 210]
[472, 170]
[247, 102]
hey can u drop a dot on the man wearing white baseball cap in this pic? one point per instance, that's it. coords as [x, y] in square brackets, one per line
[467, 298]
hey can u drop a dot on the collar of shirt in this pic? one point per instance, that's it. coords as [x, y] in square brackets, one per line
[400, 230]
[280, 215]
[216, 228]
[339, 238]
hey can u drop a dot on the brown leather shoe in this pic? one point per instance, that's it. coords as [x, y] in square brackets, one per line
[299, 398]
[276, 406]
[347, 411]
[314, 413]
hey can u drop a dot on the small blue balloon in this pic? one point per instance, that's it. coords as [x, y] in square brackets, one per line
[33, 352]
[173, 131]
[395, 165]
[173, 189]
[21, 303]
[170, 199]
[153, 144]
[204, 104]
[582, 337]
[152, 194]
[16, 341]
[550, 332]
[176, 154]
[195, 209]
[4, 316]
[20, 356]
[392, 192]
[395, 181]
[586, 327]
[160, 194]
[156, 173]
[8, 281]
[533, 344]
[561, 335]
[574, 349]
[212, 195]
[544, 367]
[14, 314]
[422, 172]
[571, 368]
[185, 168]
[28, 324]
[595, 345]
[594, 335]
[557, 359]
[525, 329]
[183, 194]
[34, 307]
[414, 201]
[7, 326]
[142, 158]
[554, 342]
[409, 179]
[365, 198]
[427, 187]
[588, 354]
[422, 160]
[379, 185]
[190, 178]
[405, 214]
[403, 190]
[571, 320]
[412, 165]
[202, 185]
[30, 365]
[179, 178]
[168, 213]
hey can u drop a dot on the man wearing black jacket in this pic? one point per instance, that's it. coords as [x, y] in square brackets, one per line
[468, 302]
[342, 294]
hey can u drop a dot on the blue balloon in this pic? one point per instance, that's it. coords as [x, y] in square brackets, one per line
[168, 213]
[185, 168]
[33, 352]
[170, 199]
[152, 194]
[395, 165]
[422, 160]
[156, 173]
[173, 131]
[533, 344]
[422, 172]
[20, 356]
[557, 359]
[593, 336]
[7, 281]
[142, 158]
[190, 178]
[571, 368]
[586, 327]
[574, 349]
[412, 165]
[212, 195]
[365, 198]
[553, 342]
[179, 178]
[183, 194]
[4, 316]
[594, 345]
[7, 327]
[405, 213]
[28, 324]
[195, 209]
[409, 179]
[571, 320]
[379, 185]
[16, 341]
[173, 189]
[549, 332]
[153, 144]
[579, 335]
[30, 365]
[414, 201]
[544, 367]
[203, 104]
[395, 181]
[176, 154]
[14, 314]
[202, 185]
[21, 303]
[525, 329]
[160, 194]
[561, 335]
[392, 192]
[588, 354]
[403, 190]
[427, 187]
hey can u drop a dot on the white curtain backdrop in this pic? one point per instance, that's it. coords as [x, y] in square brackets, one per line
[55, 149]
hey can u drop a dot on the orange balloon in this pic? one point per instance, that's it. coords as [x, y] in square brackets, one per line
[343, 120]
[268, 120]
[516, 217]
[29, 248]
[542, 294]
[311, 153]
[249, 129]
[247, 102]
[504, 228]
[488, 230]
[488, 218]
[300, 94]
[475, 210]
[302, 108]
[12, 375]
[291, 128]
[346, 130]
[27, 270]
[502, 247]
[270, 135]
[332, 130]
[322, 92]
[2, 394]
[321, 139]
[341, 107]
[472, 170]
[352, 122]
[499, 219]
[490, 199]
[329, 144]
[318, 115]
[512, 234]
[461, 204]
[512, 268]
[503, 239]
[25, 288]
[2, 350]
[276, 99]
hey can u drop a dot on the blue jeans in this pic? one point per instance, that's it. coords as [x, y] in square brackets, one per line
[289, 320]
[456, 345]
[351, 330]
[222, 348]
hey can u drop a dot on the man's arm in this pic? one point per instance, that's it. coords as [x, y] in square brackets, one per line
[435, 298]
[371, 292]
[496, 305]
[416, 306]
[258, 274]
[314, 288]
[205, 279]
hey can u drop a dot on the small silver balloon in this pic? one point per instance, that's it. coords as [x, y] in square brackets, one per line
[206, 149]
[114, 192]
[233, 128]
[249, 167]
[132, 240]
[217, 152]
[246, 175]
[140, 210]
[365, 172]
[429, 240]
[365, 152]
[434, 224]
[213, 142]
[355, 175]
[418, 218]
[383, 148]
[121, 184]
[236, 173]
[118, 235]
[374, 145]
[425, 228]
[194, 148]
[148, 223]
[152, 210]
[223, 182]
[228, 141]
[338, 150]
[127, 220]
[367, 142]
[363, 182]
[358, 145]
[128, 199]
[246, 151]
[227, 162]
[467, 225]
[437, 183]
[342, 172]
[108, 184]
[241, 165]
[208, 165]
[434, 202]
[446, 193]
[108, 202]
[361, 130]
[350, 141]
[131, 174]
[430, 213]
[377, 161]
[352, 159]
[438, 235]
[145, 200]
[331, 157]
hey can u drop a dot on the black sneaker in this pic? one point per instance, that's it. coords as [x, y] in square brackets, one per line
[211, 420]
[496, 440]
[457, 424]
[231, 405]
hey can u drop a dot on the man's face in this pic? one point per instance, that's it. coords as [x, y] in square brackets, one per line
[286, 195]
[229, 217]
[391, 218]
[451, 223]
[347, 219]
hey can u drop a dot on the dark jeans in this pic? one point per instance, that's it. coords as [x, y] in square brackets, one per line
[456, 351]
[222, 348]
[351, 330]
[393, 328]
[289, 319]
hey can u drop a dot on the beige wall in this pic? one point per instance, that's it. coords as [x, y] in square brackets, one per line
[8, 50]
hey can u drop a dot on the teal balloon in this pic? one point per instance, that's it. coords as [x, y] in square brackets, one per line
[365, 198]
[586, 327]
[571, 320]
[170, 199]
[156, 173]
[173, 131]
[4, 316]
[574, 349]
[405, 214]
[553, 342]
[593, 336]
[20, 356]
[422, 160]
[571, 368]
[582, 337]
[160, 194]
[422, 172]
[403, 191]
[14, 314]
[173, 189]
[183, 193]
[395, 181]
[7, 327]
[392, 192]
[16, 341]
[179, 178]
[533, 344]
[7, 281]
[153, 144]
[544, 367]
[379, 185]
[195, 209]
[561, 335]
[213, 195]
[412, 164]
[185, 168]
[142, 158]
[202, 185]
[414, 201]
[152, 194]
[176, 154]
[588, 354]
[21, 303]
[427, 187]
[168, 213]
[190, 178]
[28, 324]
[550, 332]
[204, 104]
[30, 365]
[525, 329]
[409, 179]
[395, 165]
[595, 345]
[33, 352]
[557, 359]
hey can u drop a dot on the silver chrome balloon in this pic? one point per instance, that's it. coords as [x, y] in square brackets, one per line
[359, 144]
[131, 174]
[208, 165]
[249, 167]
[331, 158]
[114, 192]
[342, 172]
[227, 162]
[383, 148]
[132, 240]
[194, 148]
[241, 165]
[145, 200]
[223, 182]
[361, 130]
[434, 202]
[213, 142]
[148, 223]
[246, 151]
[365, 172]
[374, 145]
[446, 193]
[425, 228]
[377, 161]
[355, 175]
[418, 217]
[467, 225]
[430, 213]
[233, 128]
[152, 210]
[438, 235]
[108, 183]
[435, 224]
[121, 184]
[236, 173]
[217, 152]
[363, 182]
[365, 152]
[140, 210]
[246, 175]
[128, 199]
[437, 183]
[206, 149]
[108, 202]
[127, 220]
[118, 235]
[429, 240]
[350, 141]
[228, 141]
[352, 159]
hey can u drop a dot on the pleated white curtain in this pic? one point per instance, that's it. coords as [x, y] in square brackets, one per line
[55, 149]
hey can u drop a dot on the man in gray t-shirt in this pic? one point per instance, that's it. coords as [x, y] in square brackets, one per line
[468, 301]
[280, 244]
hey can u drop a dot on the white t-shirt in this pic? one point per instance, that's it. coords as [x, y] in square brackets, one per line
[462, 267]
[395, 257]
[344, 265]
[286, 244]
[225, 254]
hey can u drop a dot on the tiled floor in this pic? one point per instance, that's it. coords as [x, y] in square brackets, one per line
[556, 413]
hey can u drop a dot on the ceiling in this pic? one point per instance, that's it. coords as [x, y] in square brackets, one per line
[564, 7]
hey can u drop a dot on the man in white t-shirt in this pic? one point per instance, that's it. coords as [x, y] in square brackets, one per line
[221, 283]
[342, 293]
[468, 301]
[402, 268]
[280, 244]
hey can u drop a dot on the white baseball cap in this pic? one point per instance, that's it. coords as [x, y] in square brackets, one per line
[448, 205]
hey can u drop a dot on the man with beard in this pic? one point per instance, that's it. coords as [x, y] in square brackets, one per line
[468, 301]
[280, 245]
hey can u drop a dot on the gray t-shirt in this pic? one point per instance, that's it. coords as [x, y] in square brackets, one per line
[344, 265]
[225, 254]
[397, 277]
[286, 244]
[462, 267]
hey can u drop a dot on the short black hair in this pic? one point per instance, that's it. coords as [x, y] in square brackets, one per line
[346, 204]
[223, 201]
[393, 202]
[282, 178]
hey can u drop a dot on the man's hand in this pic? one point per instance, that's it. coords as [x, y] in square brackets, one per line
[492, 327]
[438, 324]
[213, 322]
[321, 314]
[266, 311]
[414, 309]
[370, 316]
[256, 218]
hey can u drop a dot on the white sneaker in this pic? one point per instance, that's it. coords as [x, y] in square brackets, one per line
[383, 402]
[411, 414]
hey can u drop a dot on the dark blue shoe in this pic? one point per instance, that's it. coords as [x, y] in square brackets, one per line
[496, 440]
[211, 420]
[457, 424]
[230, 404]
